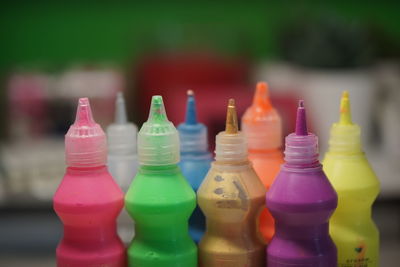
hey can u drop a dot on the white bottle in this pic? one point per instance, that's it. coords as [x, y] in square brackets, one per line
[122, 160]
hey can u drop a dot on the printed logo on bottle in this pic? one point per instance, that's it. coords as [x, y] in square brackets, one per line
[359, 260]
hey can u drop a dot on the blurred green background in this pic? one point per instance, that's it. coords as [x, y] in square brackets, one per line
[48, 33]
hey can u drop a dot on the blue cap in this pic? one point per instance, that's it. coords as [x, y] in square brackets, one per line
[193, 135]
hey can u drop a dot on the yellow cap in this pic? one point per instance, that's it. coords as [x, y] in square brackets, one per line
[345, 109]
[345, 135]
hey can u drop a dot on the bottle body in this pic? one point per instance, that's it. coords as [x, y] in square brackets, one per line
[267, 165]
[352, 228]
[195, 168]
[301, 201]
[160, 201]
[123, 169]
[231, 198]
[88, 202]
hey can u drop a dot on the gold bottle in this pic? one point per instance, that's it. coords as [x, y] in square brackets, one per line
[231, 198]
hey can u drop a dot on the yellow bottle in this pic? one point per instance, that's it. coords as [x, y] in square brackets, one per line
[231, 197]
[345, 164]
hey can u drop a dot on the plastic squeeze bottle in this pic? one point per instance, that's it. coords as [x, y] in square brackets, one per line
[122, 160]
[352, 228]
[88, 200]
[195, 160]
[302, 200]
[160, 200]
[231, 197]
[262, 127]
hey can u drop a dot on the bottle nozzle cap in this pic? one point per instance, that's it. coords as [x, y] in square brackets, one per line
[85, 141]
[301, 147]
[345, 135]
[231, 144]
[193, 135]
[158, 140]
[261, 122]
[121, 134]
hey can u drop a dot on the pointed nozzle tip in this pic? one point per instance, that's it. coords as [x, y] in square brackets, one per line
[345, 112]
[120, 114]
[301, 121]
[157, 109]
[262, 88]
[191, 117]
[261, 96]
[84, 112]
[231, 126]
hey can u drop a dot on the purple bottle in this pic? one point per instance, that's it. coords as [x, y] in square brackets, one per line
[301, 200]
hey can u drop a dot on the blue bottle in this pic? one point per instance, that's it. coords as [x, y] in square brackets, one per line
[195, 160]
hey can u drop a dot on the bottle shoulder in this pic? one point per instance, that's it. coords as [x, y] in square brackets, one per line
[88, 191]
[302, 191]
[351, 174]
[159, 188]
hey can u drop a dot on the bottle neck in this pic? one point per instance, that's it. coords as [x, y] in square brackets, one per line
[86, 170]
[165, 169]
[345, 139]
[275, 152]
[301, 151]
[203, 155]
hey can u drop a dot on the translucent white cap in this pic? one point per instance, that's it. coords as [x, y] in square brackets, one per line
[85, 141]
[121, 134]
[231, 144]
[261, 122]
[158, 140]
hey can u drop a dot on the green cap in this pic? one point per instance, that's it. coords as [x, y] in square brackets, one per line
[158, 140]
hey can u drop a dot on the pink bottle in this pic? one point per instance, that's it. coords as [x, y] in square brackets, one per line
[88, 200]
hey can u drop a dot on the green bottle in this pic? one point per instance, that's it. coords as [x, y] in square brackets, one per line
[160, 200]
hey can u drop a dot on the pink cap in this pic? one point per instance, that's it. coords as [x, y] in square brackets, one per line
[85, 141]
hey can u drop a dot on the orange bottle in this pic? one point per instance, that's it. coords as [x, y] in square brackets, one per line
[262, 127]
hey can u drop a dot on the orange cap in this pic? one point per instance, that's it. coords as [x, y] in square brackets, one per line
[261, 122]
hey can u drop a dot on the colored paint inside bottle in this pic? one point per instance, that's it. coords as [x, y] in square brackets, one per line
[195, 160]
[262, 127]
[351, 226]
[231, 198]
[160, 200]
[301, 200]
[88, 200]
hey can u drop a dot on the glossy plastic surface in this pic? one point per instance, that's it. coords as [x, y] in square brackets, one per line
[160, 201]
[88, 202]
